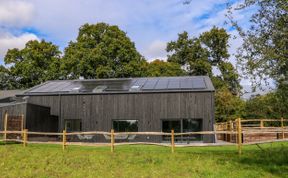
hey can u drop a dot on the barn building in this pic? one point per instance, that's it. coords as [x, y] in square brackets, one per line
[154, 104]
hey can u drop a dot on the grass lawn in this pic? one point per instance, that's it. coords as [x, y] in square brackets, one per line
[143, 161]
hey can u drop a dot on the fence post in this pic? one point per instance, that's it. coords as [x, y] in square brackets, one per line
[230, 131]
[172, 141]
[261, 123]
[5, 126]
[226, 129]
[22, 125]
[64, 140]
[25, 137]
[112, 140]
[282, 126]
[239, 130]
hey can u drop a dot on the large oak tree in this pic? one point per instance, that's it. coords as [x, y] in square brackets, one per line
[102, 51]
[38, 62]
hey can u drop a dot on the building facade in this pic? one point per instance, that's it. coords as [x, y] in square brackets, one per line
[185, 104]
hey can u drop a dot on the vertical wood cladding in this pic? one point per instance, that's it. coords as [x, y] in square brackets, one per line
[36, 118]
[15, 109]
[98, 111]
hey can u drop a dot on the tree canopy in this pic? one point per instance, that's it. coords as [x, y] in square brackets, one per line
[264, 52]
[200, 54]
[102, 51]
[36, 63]
[105, 51]
[158, 68]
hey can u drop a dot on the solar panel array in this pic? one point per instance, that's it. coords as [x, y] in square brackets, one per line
[176, 83]
[135, 84]
[55, 86]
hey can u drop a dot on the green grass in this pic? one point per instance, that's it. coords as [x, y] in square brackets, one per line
[143, 161]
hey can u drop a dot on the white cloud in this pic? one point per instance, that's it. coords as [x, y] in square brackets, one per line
[9, 41]
[144, 21]
[156, 50]
[15, 13]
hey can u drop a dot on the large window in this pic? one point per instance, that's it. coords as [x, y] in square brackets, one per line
[125, 125]
[168, 125]
[182, 125]
[192, 125]
[73, 125]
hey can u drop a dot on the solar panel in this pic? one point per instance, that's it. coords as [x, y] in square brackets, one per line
[150, 84]
[63, 85]
[114, 85]
[186, 83]
[46, 87]
[69, 87]
[140, 82]
[121, 85]
[137, 84]
[173, 84]
[161, 84]
[198, 83]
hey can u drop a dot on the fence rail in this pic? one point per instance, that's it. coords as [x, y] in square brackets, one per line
[236, 129]
[112, 134]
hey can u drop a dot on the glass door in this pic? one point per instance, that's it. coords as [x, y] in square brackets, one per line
[168, 125]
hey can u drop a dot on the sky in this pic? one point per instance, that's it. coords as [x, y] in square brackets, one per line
[150, 24]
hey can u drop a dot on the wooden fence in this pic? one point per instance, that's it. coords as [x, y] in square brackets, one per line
[254, 130]
[235, 129]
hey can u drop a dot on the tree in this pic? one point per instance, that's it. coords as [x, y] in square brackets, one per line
[36, 63]
[158, 68]
[7, 82]
[228, 106]
[102, 51]
[203, 53]
[189, 52]
[264, 52]
[216, 42]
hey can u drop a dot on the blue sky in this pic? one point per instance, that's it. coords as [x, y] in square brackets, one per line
[148, 23]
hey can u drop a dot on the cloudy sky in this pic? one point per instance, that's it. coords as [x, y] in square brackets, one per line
[149, 23]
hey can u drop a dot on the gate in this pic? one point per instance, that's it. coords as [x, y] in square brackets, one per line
[13, 123]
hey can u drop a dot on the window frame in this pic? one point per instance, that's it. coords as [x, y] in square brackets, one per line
[180, 138]
[70, 121]
[115, 120]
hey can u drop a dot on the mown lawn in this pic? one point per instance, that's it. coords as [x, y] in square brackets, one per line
[143, 161]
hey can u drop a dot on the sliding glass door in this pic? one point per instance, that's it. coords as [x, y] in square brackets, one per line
[182, 126]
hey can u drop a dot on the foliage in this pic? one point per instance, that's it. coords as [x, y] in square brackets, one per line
[36, 63]
[158, 68]
[186, 51]
[228, 106]
[264, 51]
[143, 161]
[201, 54]
[271, 105]
[7, 82]
[102, 51]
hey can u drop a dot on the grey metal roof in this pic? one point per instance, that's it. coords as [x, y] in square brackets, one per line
[124, 85]
[9, 93]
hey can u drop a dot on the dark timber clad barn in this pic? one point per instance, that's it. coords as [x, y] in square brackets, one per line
[134, 104]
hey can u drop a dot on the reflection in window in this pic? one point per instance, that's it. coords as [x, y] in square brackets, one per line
[168, 125]
[125, 125]
[73, 125]
[192, 125]
[182, 125]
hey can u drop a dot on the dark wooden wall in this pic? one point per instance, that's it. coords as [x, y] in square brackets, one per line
[12, 109]
[39, 119]
[98, 111]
